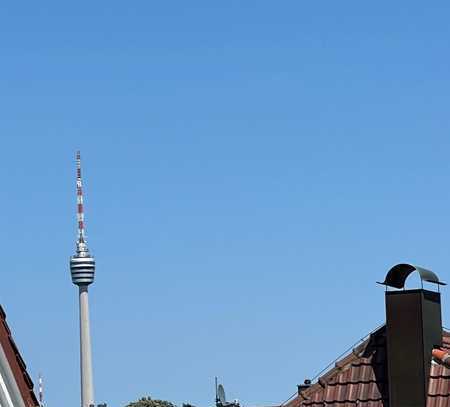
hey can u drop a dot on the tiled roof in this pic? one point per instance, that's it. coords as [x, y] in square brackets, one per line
[360, 379]
[439, 386]
[16, 363]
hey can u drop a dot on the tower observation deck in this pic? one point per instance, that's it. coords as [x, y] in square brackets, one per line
[82, 270]
[82, 265]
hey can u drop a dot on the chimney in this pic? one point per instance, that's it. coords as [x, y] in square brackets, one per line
[413, 329]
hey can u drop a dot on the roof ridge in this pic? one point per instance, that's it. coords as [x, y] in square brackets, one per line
[360, 374]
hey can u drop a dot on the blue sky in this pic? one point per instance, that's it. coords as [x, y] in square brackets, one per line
[251, 169]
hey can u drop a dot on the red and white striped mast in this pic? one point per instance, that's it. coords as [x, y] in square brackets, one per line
[80, 207]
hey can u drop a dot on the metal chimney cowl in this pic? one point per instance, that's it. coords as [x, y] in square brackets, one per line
[413, 329]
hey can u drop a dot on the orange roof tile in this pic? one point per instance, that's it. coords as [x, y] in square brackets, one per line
[16, 363]
[360, 379]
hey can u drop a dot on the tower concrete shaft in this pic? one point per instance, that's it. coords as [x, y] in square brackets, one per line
[87, 383]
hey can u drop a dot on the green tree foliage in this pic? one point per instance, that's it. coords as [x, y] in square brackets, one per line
[149, 402]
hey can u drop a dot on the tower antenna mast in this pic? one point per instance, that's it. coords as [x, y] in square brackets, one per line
[80, 207]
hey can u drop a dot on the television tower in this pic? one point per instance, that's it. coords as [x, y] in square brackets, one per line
[82, 269]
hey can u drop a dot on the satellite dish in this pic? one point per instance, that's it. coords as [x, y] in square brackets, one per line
[221, 394]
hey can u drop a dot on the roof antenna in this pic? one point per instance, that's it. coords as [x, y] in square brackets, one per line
[41, 391]
[217, 397]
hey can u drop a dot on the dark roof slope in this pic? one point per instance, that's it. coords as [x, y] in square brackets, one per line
[16, 363]
[360, 379]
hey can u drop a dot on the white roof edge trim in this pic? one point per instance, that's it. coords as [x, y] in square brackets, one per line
[9, 390]
[5, 398]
